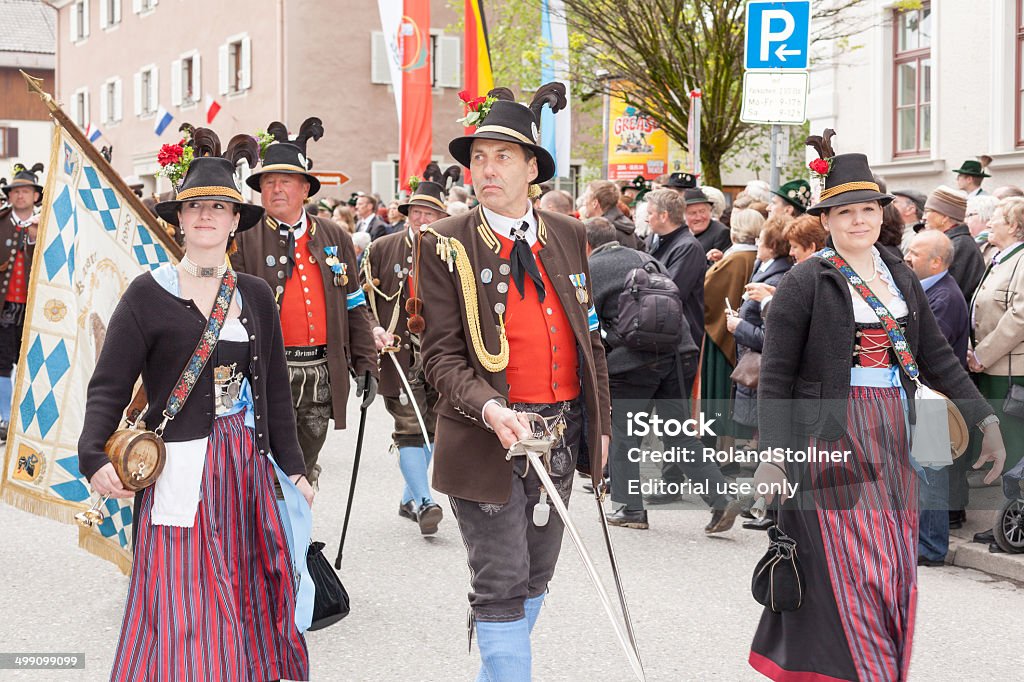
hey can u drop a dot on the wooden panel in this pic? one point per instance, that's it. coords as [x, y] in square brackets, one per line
[18, 104]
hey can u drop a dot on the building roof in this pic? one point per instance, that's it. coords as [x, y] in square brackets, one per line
[27, 26]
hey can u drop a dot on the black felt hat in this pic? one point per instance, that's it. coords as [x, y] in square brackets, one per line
[432, 189]
[695, 196]
[25, 177]
[681, 181]
[211, 178]
[288, 155]
[847, 177]
[508, 120]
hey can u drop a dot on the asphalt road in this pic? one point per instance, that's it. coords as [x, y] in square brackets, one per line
[689, 596]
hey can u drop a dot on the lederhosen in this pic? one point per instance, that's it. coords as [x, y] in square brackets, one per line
[389, 275]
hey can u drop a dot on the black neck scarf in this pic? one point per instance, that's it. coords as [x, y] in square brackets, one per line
[524, 263]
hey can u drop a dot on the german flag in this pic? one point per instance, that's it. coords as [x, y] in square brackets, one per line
[477, 57]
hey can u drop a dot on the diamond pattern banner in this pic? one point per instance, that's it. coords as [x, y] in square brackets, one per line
[91, 244]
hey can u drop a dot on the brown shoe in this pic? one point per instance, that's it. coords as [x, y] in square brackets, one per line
[722, 519]
[429, 517]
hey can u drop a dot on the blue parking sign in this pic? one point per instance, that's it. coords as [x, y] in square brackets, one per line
[778, 34]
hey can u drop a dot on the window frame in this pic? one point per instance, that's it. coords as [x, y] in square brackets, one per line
[917, 56]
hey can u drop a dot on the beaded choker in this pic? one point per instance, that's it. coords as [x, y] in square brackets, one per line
[202, 271]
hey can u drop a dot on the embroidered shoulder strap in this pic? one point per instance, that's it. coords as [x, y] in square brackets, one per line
[889, 323]
[201, 355]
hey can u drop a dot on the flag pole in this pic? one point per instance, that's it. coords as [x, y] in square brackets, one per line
[35, 85]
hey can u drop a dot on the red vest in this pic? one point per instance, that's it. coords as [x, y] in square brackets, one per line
[17, 289]
[542, 365]
[303, 307]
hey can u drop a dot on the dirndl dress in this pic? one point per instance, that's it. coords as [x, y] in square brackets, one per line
[857, 544]
[215, 601]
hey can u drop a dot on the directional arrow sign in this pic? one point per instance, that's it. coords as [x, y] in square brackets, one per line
[778, 34]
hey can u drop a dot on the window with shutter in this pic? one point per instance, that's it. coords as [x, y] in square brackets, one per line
[177, 66]
[380, 70]
[154, 90]
[105, 103]
[448, 62]
[246, 79]
[223, 69]
[139, 99]
[118, 102]
[196, 79]
[8, 143]
[85, 18]
[384, 178]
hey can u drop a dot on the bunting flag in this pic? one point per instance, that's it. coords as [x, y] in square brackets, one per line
[162, 120]
[556, 129]
[94, 237]
[212, 107]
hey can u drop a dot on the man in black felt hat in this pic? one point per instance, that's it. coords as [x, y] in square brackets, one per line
[970, 175]
[713, 236]
[510, 328]
[681, 182]
[390, 279]
[19, 224]
[310, 263]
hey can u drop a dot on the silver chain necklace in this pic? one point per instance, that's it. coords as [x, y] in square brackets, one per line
[203, 271]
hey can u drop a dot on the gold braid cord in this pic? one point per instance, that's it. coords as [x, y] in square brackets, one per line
[372, 289]
[452, 252]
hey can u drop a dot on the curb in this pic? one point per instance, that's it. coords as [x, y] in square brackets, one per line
[967, 554]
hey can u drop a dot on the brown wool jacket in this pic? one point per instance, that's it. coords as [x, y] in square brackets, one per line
[726, 279]
[349, 341]
[381, 256]
[469, 462]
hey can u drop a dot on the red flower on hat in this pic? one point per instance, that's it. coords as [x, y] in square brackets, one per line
[170, 153]
[477, 108]
[821, 167]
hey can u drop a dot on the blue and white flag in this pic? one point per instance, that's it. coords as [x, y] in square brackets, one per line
[91, 244]
[163, 119]
[92, 132]
[556, 129]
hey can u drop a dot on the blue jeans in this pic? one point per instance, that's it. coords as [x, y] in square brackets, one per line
[933, 536]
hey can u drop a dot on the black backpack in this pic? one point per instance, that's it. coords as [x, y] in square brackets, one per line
[650, 310]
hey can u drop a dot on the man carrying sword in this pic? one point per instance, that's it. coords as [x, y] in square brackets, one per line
[390, 272]
[509, 329]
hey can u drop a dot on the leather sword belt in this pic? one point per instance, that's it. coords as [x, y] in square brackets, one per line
[305, 353]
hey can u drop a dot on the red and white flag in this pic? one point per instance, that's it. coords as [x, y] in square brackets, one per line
[212, 108]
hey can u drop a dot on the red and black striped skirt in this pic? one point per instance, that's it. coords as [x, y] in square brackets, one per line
[215, 601]
[857, 543]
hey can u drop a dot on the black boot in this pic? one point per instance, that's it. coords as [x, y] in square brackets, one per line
[429, 516]
[628, 518]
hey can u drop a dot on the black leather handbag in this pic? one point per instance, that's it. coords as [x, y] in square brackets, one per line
[331, 601]
[778, 581]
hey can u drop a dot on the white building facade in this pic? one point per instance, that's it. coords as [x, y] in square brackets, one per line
[920, 91]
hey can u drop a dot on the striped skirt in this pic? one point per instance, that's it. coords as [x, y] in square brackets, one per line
[215, 601]
[857, 543]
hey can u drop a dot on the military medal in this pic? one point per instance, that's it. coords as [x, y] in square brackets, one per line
[580, 282]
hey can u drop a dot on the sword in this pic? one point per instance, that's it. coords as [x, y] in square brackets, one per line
[599, 498]
[390, 351]
[534, 449]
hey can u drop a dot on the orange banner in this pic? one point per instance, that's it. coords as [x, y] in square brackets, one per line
[417, 100]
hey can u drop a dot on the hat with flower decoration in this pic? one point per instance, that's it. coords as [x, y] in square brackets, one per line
[287, 155]
[431, 190]
[499, 117]
[796, 193]
[847, 178]
[210, 176]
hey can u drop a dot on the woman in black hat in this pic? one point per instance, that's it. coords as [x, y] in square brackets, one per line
[212, 592]
[831, 379]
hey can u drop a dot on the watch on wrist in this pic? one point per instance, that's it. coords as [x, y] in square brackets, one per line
[991, 419]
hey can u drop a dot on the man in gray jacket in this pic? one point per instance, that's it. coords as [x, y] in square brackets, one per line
[639, 381]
